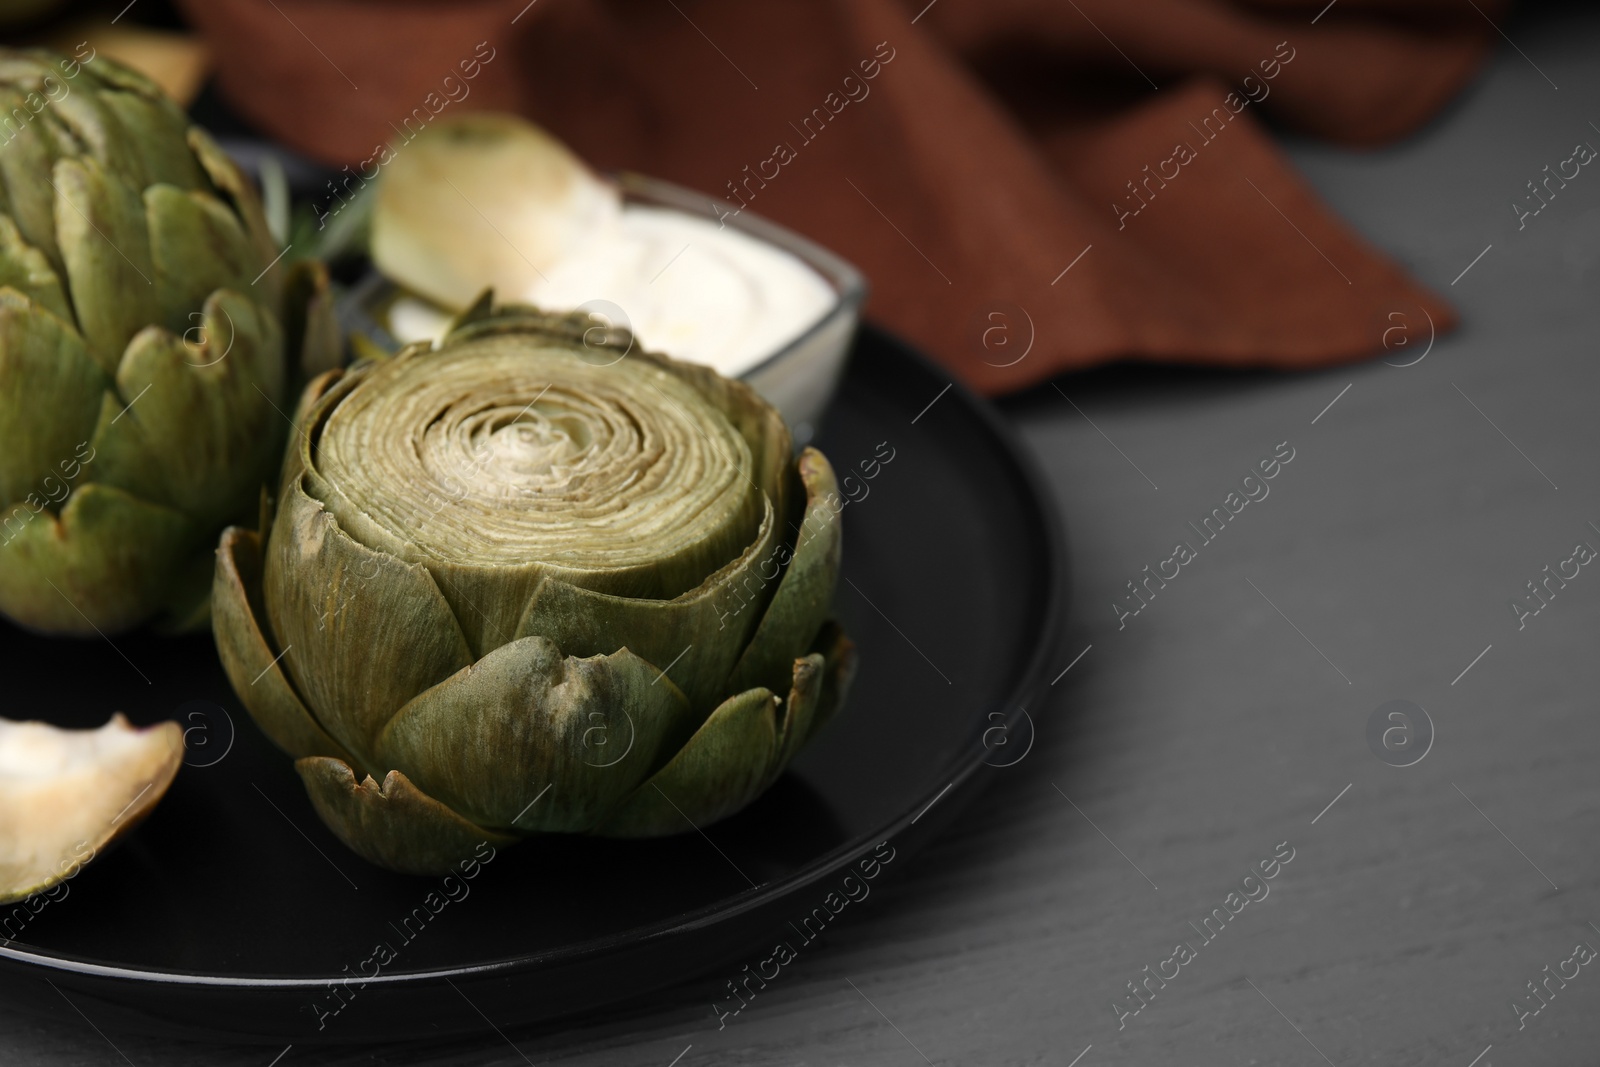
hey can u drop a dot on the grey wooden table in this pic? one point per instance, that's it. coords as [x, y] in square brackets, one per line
[1228, 721]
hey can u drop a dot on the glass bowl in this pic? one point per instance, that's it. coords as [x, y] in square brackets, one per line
[799, 378]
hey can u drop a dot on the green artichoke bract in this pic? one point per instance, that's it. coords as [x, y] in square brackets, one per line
[142, 348]
[533, 581]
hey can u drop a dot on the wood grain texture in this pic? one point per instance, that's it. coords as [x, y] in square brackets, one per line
[1183, 748]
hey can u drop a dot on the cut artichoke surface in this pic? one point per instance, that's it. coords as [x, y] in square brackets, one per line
[66, 794]
[535, 581]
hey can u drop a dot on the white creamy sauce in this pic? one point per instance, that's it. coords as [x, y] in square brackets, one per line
[685, 287]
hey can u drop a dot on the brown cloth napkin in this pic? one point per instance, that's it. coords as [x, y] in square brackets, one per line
[1032, 186]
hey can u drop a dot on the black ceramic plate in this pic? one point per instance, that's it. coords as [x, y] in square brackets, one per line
[231, 913]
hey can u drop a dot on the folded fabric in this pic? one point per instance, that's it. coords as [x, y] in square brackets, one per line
[1031, 186]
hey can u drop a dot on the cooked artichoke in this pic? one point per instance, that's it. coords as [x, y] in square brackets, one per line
[142, 348]
[431, 228]
[533, 581]
[65, 794]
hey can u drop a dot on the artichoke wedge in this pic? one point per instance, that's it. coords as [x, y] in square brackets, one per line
[144, 363]
[535, 581]
[66, 794]
[430, 223]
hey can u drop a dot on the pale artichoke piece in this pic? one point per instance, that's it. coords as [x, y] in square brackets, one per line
[66, 794]
[395, 825]
[431, 228]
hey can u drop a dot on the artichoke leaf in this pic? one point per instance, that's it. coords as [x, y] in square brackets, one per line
[118, 451]
[739, 751]
[320, 395]
[97, 125]
[44, 365]
[531, 739]
[27, 69]
[199, 409]
[799, 711]
[29, 271]
[106, 558]
[297, 457]
[315, 344]
[105, 245]
[723, 767]
[28, 156]
[197, 246]
[395, 825]
[100, 136]
[362, 632]
[252, 666]
[229, 180]
[151, 133]
[481, 309]
[697, 635]
[118, 76]
[805, 594]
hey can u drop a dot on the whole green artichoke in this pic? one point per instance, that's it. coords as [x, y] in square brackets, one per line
[533, 581]
[142, 348]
